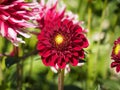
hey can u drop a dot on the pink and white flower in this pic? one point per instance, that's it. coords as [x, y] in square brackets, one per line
[14, 16]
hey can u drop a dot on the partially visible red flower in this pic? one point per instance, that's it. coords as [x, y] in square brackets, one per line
[60, 41]
[14, 16]
[116, 55]
[62, 44]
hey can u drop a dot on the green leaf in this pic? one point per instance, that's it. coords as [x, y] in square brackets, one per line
[10, 61]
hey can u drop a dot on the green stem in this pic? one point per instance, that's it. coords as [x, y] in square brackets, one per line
[31, 66]
[1, 74]
[19, 70]
[89, 20]
[89, 83]
[19, 77]
[61, 80]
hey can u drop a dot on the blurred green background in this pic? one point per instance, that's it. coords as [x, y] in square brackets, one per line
[102, 18]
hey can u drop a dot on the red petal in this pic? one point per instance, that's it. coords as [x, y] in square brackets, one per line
[67, 59]
[118, 68]
[79, 30]
[77, 40]
[53, 60]
[68, 55]
[74, 61]
[81, 40]
[47, 53]
[46, 42]
[77, 48]
[65, 21]
[114, 64]
[40, 47]
[61, 63]
[45, 61]
[75, 53]
[40, 36]
[85, 42]
[81, 54]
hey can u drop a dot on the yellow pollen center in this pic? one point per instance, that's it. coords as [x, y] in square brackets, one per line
[117, 49]
[59, 39]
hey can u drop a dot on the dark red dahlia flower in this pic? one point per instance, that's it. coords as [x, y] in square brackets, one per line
[62, 44]
[14, 16]
[116, 55]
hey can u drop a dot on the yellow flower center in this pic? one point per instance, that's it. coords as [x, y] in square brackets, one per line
[117, 49]
[59, 39]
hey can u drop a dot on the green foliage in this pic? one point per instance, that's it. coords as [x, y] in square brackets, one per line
[102, 18]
